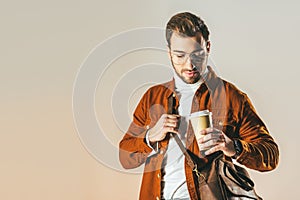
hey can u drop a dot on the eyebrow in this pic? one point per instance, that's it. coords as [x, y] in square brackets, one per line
[179, 51]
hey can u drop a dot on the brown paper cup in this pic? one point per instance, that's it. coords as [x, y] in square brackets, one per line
[200, 120]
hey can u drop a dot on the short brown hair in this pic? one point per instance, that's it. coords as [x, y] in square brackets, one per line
[187, 25]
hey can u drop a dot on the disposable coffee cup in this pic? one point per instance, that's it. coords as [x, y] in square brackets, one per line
[200, 121]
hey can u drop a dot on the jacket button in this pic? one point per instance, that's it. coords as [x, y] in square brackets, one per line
[158, 175]
[157, 198]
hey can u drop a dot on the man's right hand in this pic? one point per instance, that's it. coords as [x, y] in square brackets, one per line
[166, 123]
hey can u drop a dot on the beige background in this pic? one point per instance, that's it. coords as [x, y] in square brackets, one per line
[43, 43]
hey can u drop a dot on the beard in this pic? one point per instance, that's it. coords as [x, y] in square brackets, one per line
[190, 76]
[195, 77]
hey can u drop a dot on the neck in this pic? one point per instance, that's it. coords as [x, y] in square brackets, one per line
[183, 87]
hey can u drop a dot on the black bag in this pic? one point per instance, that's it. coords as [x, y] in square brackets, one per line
[223, 180]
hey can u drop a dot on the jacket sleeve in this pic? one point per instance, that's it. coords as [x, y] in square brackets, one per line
[260, 152]
[133, 149]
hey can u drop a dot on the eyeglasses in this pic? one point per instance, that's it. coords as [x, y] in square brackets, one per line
[180, 57]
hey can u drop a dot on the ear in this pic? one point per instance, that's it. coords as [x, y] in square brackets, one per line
[169, 52]
[208, 46]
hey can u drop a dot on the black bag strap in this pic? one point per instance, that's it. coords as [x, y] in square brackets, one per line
[190, 162]
[218, 96]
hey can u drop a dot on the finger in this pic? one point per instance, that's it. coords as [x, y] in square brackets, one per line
[171, 120]
[172, 130]
[170, 124]
[211, 143]
[172, 116]
[158, 136]
[214, 149]
[209, 130]
[211, 136]
[212, 130]
[206, 131]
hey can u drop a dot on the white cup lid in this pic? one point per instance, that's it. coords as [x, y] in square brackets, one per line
[200, 113]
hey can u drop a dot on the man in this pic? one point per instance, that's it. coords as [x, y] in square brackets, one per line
[238, 131]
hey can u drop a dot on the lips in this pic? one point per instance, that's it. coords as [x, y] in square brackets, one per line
[190, 73]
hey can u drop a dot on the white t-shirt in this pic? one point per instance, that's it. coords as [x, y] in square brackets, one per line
[173, 176]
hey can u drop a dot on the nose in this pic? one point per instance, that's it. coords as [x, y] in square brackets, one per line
[188, 64]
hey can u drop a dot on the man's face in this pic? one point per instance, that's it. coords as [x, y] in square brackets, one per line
[188, 56]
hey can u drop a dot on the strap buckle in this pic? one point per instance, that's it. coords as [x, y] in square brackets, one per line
[200, 176]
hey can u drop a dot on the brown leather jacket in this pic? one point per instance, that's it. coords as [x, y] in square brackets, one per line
[232, 112]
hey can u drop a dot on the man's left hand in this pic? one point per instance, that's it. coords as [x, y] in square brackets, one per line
[214, 140]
